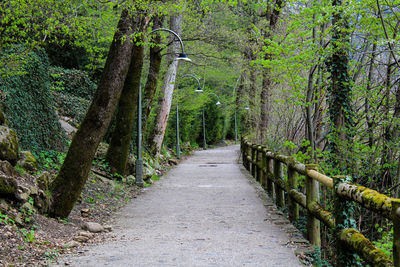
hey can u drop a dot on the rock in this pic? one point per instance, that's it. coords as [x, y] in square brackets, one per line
[8, 169]
[130, 179]
[8, 185]
[27, 207]
[87, 234]
[8, 145]
[85, 212]
[107, 228]
[93, 227]
[148, 172]
[101, 150]
[3, 207]
[173, 161]
[80, 238]
[18, 219]
[28, 161]
[44, 180]
[71, 244]
[68, 128]
[130, 164]
[22, 196]
[149, 181]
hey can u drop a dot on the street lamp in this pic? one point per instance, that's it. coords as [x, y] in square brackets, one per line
[204, 120]
[236, 127]
[199, 90]
[139, 161]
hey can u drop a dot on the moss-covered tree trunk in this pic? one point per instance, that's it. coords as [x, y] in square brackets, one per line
[67, 186]
[265, 95]
[118, 151]
[339, 98]
[165, 99]
[152, 78]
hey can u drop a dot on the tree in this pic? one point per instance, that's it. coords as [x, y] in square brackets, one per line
[167, 90]
[67, 186]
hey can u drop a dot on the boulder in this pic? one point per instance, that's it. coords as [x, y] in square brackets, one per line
[8, 169]
[148, 172]
[8, 185]
[68, 128]
[27, 161]
[93, 227]
[173, 161]
[80, 238]
[8, 145]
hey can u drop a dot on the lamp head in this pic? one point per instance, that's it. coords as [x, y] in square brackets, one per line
[199, 90]
[218, 103]
[182, 56]
[246, 108]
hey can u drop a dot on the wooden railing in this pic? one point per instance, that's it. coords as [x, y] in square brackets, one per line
[267, 168]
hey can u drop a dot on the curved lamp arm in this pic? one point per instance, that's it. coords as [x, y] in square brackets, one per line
[218, 103]
[182, 55]
[198, 81]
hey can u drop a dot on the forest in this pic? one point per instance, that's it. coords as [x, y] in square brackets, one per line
[316, 80]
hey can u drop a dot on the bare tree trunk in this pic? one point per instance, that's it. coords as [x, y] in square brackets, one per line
[67, 186]
[118, 151]
[165, 99]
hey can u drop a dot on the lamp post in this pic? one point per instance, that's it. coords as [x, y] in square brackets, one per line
[204, 121]
[139, 161]
[236, 127]
[178, 149]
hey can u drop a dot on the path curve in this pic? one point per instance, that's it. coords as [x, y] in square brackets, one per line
[204, 212]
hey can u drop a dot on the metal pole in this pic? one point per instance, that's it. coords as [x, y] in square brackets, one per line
[236, 133]
[178, 149]
[204, 132]
[139, 160]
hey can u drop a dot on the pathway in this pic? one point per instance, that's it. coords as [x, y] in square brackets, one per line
[204, 212]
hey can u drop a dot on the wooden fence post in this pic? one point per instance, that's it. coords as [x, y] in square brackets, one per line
[313, 224]
[253, 160]
[259, 164]
[279, 195]
[396, 231]
[263, 167]
[292, 184]
[270, 188]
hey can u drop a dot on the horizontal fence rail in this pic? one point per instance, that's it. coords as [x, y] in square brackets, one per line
[267, 168]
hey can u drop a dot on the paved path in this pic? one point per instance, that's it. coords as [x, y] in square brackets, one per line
[204, 212]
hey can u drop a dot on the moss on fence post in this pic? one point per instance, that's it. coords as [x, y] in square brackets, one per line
[292, 184]
[259, 163]
[264, 167]
[313, 224]
[343, 217]
[279, 195]
[396, 231]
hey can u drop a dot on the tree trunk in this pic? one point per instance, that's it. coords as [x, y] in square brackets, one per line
[340, 109]
[265, 94]
[152, 78]
[67, 186]
[165, 99]
[118, 151]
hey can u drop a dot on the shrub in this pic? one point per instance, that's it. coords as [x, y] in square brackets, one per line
[28, 103]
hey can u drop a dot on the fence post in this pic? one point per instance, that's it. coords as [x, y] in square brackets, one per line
[263, 167]
[259, 164]
[253, 160]
[396, 231]
[313, 224]
[279, 195]
[270, 188]
[244, 155]
[292, 184]
[344, 210]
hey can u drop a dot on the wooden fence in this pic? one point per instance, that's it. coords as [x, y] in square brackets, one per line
[267, 168]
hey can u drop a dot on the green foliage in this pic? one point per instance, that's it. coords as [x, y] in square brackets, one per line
[50, 159]
[386, 242]
[4, 219]
[29, 105]
[29, 236]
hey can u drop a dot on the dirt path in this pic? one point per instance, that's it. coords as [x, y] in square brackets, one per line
[204, 212]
